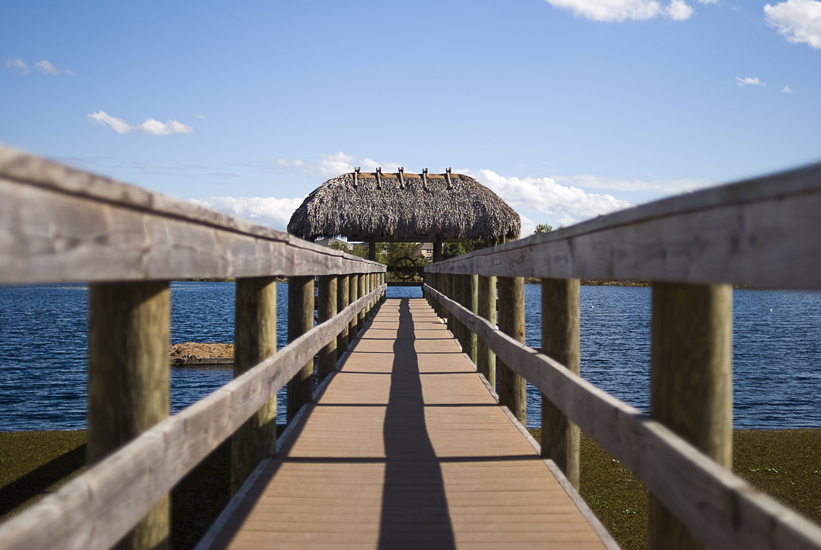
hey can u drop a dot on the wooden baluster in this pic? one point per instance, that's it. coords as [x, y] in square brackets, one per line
[353, 288]
[300, 321]
[128, 381]
[560, 341]
[457, 296]
[363, 288]
[326, 362]
[449, 293]
[255, 339]
[342, 301]
[691, 386]
[471, 297]
[511, 386]
[485, 358]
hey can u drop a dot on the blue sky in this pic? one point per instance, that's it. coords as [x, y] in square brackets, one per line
[565, 108]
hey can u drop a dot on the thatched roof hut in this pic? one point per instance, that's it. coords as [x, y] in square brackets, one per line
[404, 207]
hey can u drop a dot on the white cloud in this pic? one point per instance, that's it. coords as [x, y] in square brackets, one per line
[749, 81]
[786, 89]
[708, 1]
[620, 10]
[544, 195]
[18, 64]
[331, 166]
[200, 116]
[150, 126]
[268, 211]
[46, 67]
[678, 10]
[69, 71]
[798, 20]
[615, 184]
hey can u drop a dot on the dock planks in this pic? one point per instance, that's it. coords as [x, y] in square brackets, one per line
[406, 448]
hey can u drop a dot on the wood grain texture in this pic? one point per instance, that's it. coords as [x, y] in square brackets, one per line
[62, 224]
[485, 358]
[342, 301]
[128, 382]
[511, 386]
[691, 384]
[326, 309]
[560, 340]
[255, 330]
[301, 321]
[95, 510]
[761, 232]
[722, 510]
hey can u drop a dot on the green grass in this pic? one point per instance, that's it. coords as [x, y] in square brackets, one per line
[784, 463]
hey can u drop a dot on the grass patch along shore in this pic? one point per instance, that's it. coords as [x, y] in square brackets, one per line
[783, 463]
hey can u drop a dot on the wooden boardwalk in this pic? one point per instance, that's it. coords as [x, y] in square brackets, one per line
[407, 448]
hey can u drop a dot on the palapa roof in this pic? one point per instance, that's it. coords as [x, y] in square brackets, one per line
[404, 207]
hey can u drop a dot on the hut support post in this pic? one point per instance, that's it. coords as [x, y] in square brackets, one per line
[560, 340]
[342, 297]
[327, 310]
[363, 287]
[511, 386]
[128, 381]
[353, 287]
[485, 358]
[300, 321]
[437, 251]
[691, 383]
[255, 339]
[372, 250]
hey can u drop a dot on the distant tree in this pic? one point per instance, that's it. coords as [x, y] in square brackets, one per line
[339, 245]
[451, 250]
[542, 228]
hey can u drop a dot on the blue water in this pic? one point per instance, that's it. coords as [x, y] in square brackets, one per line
[777, 355]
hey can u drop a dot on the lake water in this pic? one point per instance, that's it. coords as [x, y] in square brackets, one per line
[776, 354]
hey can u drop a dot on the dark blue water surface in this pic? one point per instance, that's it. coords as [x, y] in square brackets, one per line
[776, 354]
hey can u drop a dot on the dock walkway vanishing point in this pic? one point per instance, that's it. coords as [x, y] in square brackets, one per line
[407, 448]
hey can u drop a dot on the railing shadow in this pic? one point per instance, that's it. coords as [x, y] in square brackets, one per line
[414, 504]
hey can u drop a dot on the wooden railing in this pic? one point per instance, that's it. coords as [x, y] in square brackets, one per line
[763, 232]
[60, 224]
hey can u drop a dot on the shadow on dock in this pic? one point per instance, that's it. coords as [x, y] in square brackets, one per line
[414, 505]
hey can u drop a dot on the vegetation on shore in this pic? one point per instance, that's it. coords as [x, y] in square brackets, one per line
[783, 463]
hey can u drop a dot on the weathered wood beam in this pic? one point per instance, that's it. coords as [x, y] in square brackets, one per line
[511, 387]
[485, 358]
[326, 362]
[560, 341]
[300, 321]
[128, 382]
[691, 384]
[255, 339]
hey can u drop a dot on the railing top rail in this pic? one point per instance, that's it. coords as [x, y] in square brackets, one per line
[59, 223]
[761, 232]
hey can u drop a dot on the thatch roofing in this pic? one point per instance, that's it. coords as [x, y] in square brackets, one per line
[404, 207]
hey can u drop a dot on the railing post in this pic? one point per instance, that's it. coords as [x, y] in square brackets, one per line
[511, 386]
[560, 341]
[342, 301]
[300, 321]
[353, 288]
[449, 293]
[458, 296]
[470, 294]
[362, 290]
[691, 387]
[485, 358]
[128, 381]
[255, 339]
[326, 363]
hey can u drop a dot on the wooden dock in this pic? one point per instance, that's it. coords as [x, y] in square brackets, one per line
[407, 448]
